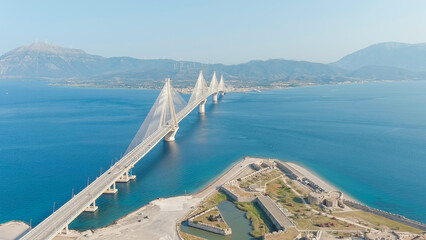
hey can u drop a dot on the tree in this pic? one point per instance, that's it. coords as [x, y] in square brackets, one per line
[212, 218]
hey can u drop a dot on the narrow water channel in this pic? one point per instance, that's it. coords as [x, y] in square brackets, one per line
[234, 217]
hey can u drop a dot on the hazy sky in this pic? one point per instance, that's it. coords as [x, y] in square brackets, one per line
[213, 31]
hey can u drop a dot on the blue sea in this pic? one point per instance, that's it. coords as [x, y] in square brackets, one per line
[367, 139]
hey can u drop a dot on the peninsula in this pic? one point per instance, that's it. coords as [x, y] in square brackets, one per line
[282, 200]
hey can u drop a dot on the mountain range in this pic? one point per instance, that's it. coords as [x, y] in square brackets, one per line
[40, 60]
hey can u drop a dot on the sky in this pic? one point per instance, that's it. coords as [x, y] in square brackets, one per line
[228, 32]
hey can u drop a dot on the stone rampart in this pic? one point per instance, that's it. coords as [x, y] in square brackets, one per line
[235, 197]
[207, 227]
[391, 216]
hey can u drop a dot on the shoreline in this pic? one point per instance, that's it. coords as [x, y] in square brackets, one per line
[160, 218]
[226, 175]
[318, 177]
[188, 90]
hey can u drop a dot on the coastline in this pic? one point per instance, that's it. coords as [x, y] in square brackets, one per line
[188, 90]
[317, 178]
[160, 218]
[163, 213]
[171, 211]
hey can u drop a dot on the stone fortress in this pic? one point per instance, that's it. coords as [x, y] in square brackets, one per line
[320, 211]
[333, 199]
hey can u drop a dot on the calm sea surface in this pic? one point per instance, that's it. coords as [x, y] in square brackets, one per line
[368, 140]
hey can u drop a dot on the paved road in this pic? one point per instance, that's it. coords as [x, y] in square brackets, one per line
[57, 221]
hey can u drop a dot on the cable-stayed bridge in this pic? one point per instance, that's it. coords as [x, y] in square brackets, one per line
[162, 122]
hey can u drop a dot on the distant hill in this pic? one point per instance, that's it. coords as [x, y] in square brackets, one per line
[386, 73]
[386, 61]
[43, 60]
[411, 57]
[46, 60]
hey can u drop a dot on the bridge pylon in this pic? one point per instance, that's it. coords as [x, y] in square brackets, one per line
[202, 107]
[221, 85]
[170, 137]
[161, 122]
[199, 92]
[213, 87]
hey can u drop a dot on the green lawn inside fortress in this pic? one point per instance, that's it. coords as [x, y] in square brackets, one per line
[212, 201]
[212, 218]
[377, 222]
[257, 218]
[280, 192]
[260, 178]
[306, 219]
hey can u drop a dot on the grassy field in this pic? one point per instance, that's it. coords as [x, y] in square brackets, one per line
[212, 201]
[256, 217]
[313, 221]
[377, 222]
[187, 236]
[289, 234]
[212, 218]
[304, 217]
[238, 191]
[279, 191]
[260, 178]
[299, 187]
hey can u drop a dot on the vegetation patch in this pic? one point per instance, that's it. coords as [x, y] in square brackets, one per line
[315, 221]
[213, 218]
[260, 178]
[257, 218]
[281, 193]
[188, 236]
[288, 234]
[238, 191]
[210, 202]
[376, 221]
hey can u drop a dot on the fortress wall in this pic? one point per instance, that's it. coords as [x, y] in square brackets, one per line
[391, 216]
[209, 228]
[235, 197]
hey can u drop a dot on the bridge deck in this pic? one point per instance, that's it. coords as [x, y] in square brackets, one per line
[58, 220]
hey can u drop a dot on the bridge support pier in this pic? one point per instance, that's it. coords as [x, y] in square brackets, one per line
[111, 189]
[215, 97]
[202, 107]
[92, 207]
[126, 177]
[170, 137]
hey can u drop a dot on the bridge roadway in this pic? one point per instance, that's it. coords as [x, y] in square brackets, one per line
[60, 219]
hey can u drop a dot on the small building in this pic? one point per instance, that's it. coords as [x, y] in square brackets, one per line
[382, 235]
[256, 166]
[277, 217]
[331, 199]
[290, 171]
[268, 164]
[316, 198]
